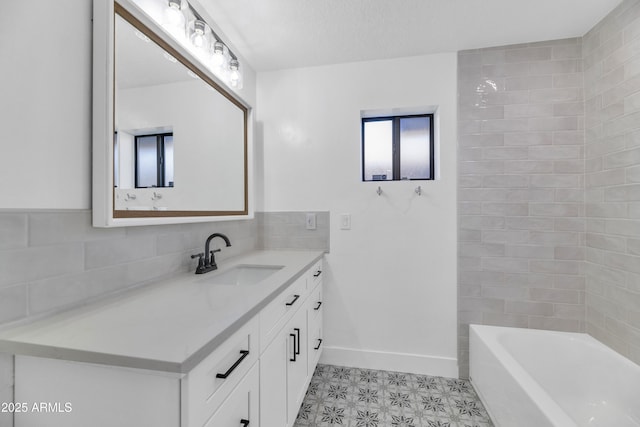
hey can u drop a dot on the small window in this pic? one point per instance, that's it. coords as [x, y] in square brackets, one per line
[154, 160]
[397, 148]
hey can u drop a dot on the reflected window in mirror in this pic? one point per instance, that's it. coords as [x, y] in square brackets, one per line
[154, 160]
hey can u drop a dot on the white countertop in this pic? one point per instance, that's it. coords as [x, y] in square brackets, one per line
[169, 326]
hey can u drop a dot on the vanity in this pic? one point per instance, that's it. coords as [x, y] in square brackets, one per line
[234, 347]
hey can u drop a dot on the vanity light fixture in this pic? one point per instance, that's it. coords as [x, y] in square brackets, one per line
[198, 37]
[188, 27]
[235, 77]
[219, 58]
[174, 17]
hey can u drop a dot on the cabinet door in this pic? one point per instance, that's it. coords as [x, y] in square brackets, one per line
[241, 407]
[273, 382]
[297, 364]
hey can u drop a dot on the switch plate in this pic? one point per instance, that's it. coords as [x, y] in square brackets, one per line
[311, 221]
[345, 221]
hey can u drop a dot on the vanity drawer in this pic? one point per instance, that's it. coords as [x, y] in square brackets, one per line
[279, 311]
[242, 406]
[315, 274]
[207, 385]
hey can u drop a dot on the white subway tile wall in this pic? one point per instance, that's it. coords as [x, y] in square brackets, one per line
[521, 188]
[612, 150]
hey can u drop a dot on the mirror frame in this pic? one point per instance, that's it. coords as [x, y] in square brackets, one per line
[104, 212]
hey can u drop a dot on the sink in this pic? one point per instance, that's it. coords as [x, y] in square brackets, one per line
[243, 275]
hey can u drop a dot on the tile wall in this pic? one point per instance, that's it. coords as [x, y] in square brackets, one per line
[54, 260]
[279, 230]
[521, 188]
[612, 150]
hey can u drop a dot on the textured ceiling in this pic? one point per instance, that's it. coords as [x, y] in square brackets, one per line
[276, 34]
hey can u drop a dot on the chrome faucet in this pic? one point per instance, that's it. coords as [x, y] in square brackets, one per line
[206, 260]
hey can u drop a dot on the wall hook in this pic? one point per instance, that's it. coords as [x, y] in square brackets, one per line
[419, 190]
[156, 196]
[379, 191]
[131, 196]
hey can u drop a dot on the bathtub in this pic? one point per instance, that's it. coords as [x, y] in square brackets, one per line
[533, 378]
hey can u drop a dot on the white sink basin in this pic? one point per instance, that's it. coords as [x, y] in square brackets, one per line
[242, 275]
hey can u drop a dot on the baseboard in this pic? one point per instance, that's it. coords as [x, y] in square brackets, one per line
[387, 361]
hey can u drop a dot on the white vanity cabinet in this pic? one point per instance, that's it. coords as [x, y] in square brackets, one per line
[287, 363]
[256, 373]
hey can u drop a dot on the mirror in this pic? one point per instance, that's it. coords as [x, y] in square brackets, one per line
[178, 142]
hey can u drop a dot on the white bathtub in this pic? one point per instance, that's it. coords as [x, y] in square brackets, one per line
[533, 378]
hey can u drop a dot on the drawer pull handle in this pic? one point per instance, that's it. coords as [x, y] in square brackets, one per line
[318, 273]
[244, 354]
[298, 333]
[294, 348]
[295, 298]
[245, 423]
[319, 344]
[318, 307]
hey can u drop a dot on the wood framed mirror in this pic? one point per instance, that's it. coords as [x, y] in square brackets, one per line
[170, 142]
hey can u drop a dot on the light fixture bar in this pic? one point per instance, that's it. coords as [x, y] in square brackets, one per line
[215, 35]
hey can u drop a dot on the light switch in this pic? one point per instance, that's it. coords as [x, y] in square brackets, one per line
[311, 221]
[345, 221]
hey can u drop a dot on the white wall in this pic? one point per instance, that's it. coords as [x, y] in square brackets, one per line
[45, 106]
[391, 279]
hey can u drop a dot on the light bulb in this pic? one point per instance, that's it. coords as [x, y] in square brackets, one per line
[235, 77]
[197, 37]
[217, 57]
[173, 16]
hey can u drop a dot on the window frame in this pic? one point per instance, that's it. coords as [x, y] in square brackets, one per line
[160, 160]
[396, 164]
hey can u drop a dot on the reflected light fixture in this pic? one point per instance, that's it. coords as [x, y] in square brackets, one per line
[142, 36]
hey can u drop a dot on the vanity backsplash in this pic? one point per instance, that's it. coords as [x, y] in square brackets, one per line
[53, 260]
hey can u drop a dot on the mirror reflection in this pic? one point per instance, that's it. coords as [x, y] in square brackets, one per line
[179, 142]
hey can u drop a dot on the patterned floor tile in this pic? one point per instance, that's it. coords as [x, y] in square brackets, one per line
[352, 397]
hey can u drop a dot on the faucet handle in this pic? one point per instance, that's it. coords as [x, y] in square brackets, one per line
[200, 257]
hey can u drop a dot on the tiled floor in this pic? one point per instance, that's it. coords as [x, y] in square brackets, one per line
[354, 397]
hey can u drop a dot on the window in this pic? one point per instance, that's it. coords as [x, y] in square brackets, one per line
[397, 148]
[154, 160]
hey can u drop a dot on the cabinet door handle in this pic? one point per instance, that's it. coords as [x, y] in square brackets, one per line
[319, 344]
[244, 353]
[294, 348]
[245, 423]
[295, 298]
[318, 273]
[298, 333]
[318, 307]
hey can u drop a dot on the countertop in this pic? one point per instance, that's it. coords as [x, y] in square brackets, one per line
[167, 326]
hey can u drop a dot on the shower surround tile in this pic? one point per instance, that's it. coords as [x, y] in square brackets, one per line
[613, 114]
[340, 396]
[521, 188]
